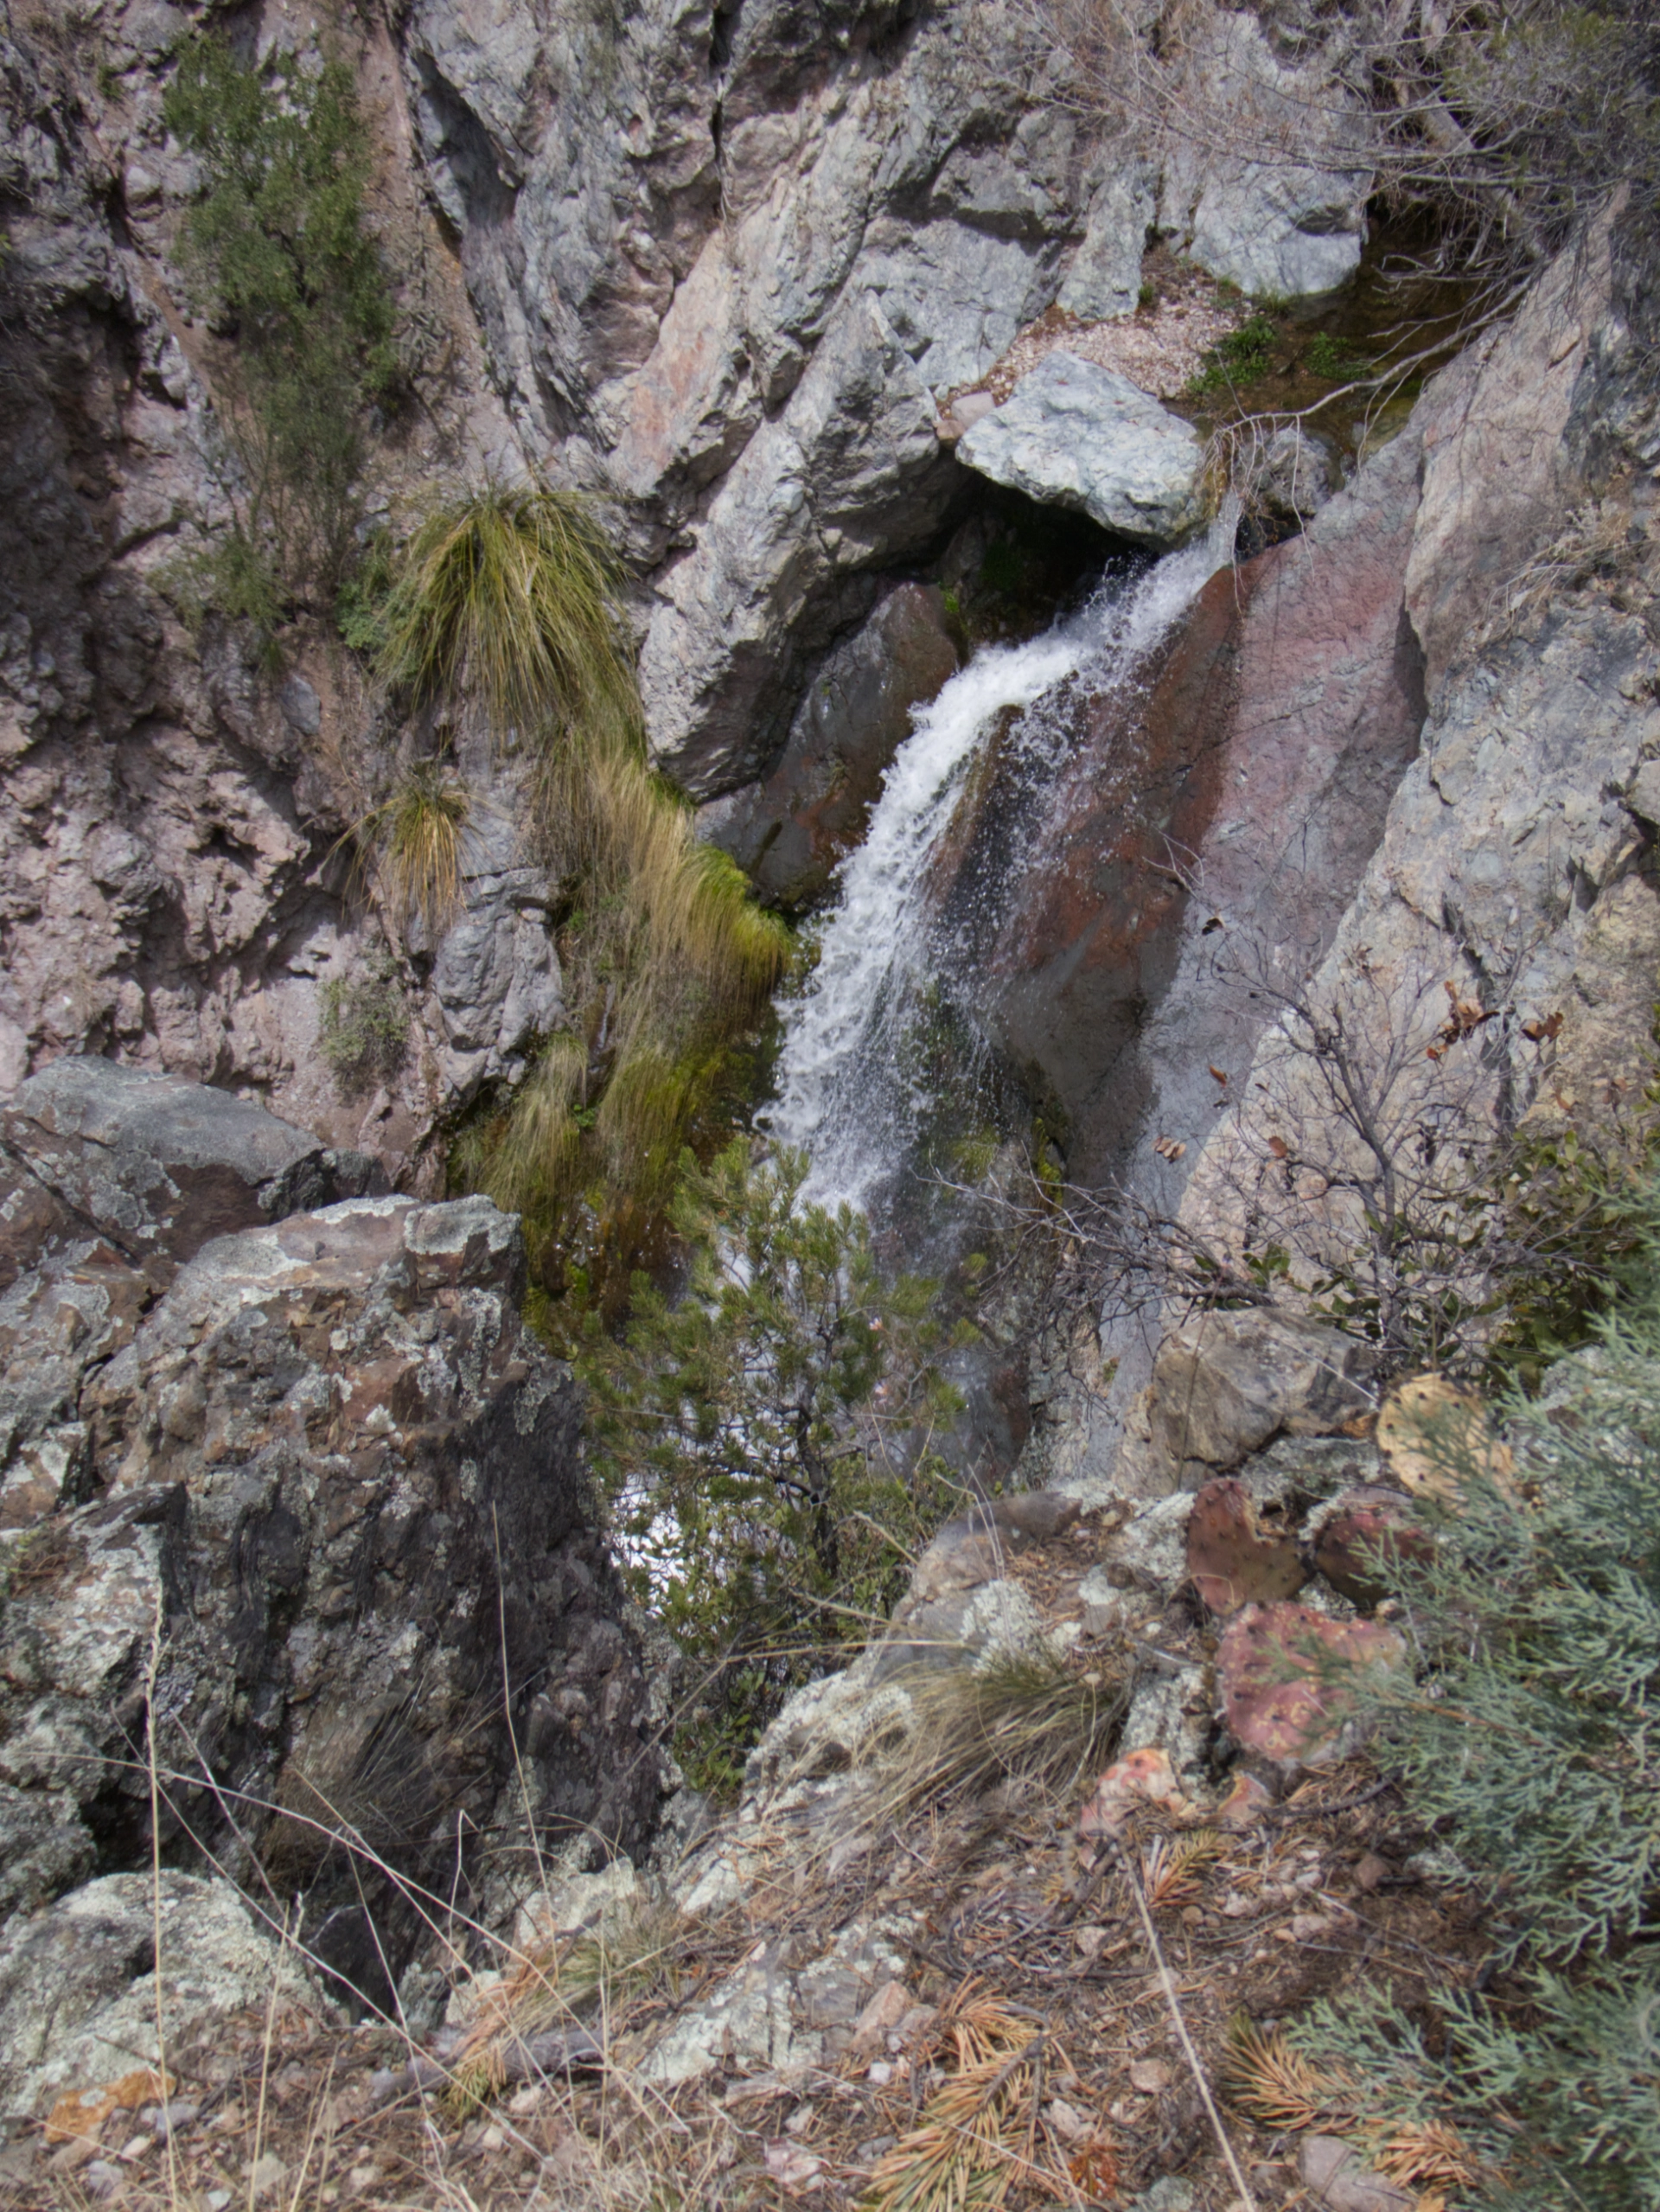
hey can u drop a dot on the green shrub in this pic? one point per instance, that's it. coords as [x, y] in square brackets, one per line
[1328, 357]
[763, 1440]
[279, 246]
[1534, 1738]
[1243, 357]
[364, 1032]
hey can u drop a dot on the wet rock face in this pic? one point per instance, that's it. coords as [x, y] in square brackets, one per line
[787, 832]
[332, 1488]
[1256, 756]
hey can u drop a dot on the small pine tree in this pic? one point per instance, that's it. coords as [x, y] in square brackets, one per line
[1534, 1737]
[763, 1439]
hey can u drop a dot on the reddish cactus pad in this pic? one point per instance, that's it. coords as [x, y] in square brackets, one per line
[1286, 1675]
[1232, 1560]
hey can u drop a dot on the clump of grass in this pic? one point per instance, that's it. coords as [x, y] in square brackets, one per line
[1022, 1718]
[511, 592]
[509, 595]
[555, 1984]
[420, 830]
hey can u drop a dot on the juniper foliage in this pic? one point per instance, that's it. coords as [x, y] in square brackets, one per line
[1534, 1735]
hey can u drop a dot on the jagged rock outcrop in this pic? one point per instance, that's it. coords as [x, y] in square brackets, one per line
[174, 885]
[110, 1179]
[730, 266]
[1514, 881]
[332, 1498]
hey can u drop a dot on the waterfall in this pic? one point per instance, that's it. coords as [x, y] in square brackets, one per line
[848, 1089]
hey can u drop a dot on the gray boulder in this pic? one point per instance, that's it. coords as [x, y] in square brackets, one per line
[1270, 190]
[79, 1983]
[1226, 1385]
[1285, 232]
[1077, 435]
[155, 1164]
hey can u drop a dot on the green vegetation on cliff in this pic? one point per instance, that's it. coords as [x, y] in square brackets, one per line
[280, 248]
[1532, 1739]
[763, 1436]
[509, 598]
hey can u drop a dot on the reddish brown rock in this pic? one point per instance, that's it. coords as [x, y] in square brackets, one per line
[1232, 1560]
[1256, 756]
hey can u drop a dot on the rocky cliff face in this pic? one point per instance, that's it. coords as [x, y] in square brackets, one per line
[719, 267]
[1417, 747]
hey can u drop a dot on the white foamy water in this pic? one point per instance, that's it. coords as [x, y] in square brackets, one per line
[848, 1089]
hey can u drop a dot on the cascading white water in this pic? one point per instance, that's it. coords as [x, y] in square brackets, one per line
[845, 1091]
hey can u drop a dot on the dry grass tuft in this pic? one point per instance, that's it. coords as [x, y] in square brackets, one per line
[420, 830]
[1024, 1720]
[559, 1983]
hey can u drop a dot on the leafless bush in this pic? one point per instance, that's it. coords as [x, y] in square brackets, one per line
[1380, 1172]
[1507, 119]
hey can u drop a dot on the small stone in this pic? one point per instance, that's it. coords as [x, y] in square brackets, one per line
[100, 2179]
[266, 2173]
[1372, 1872]
[1067, 2122]
[524, 2101]
[880, 2075]
[1329, 2170]
[492, 2139]
[133, 2148]
[217, 2199]
[880, 2017]
[1150, 2075]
